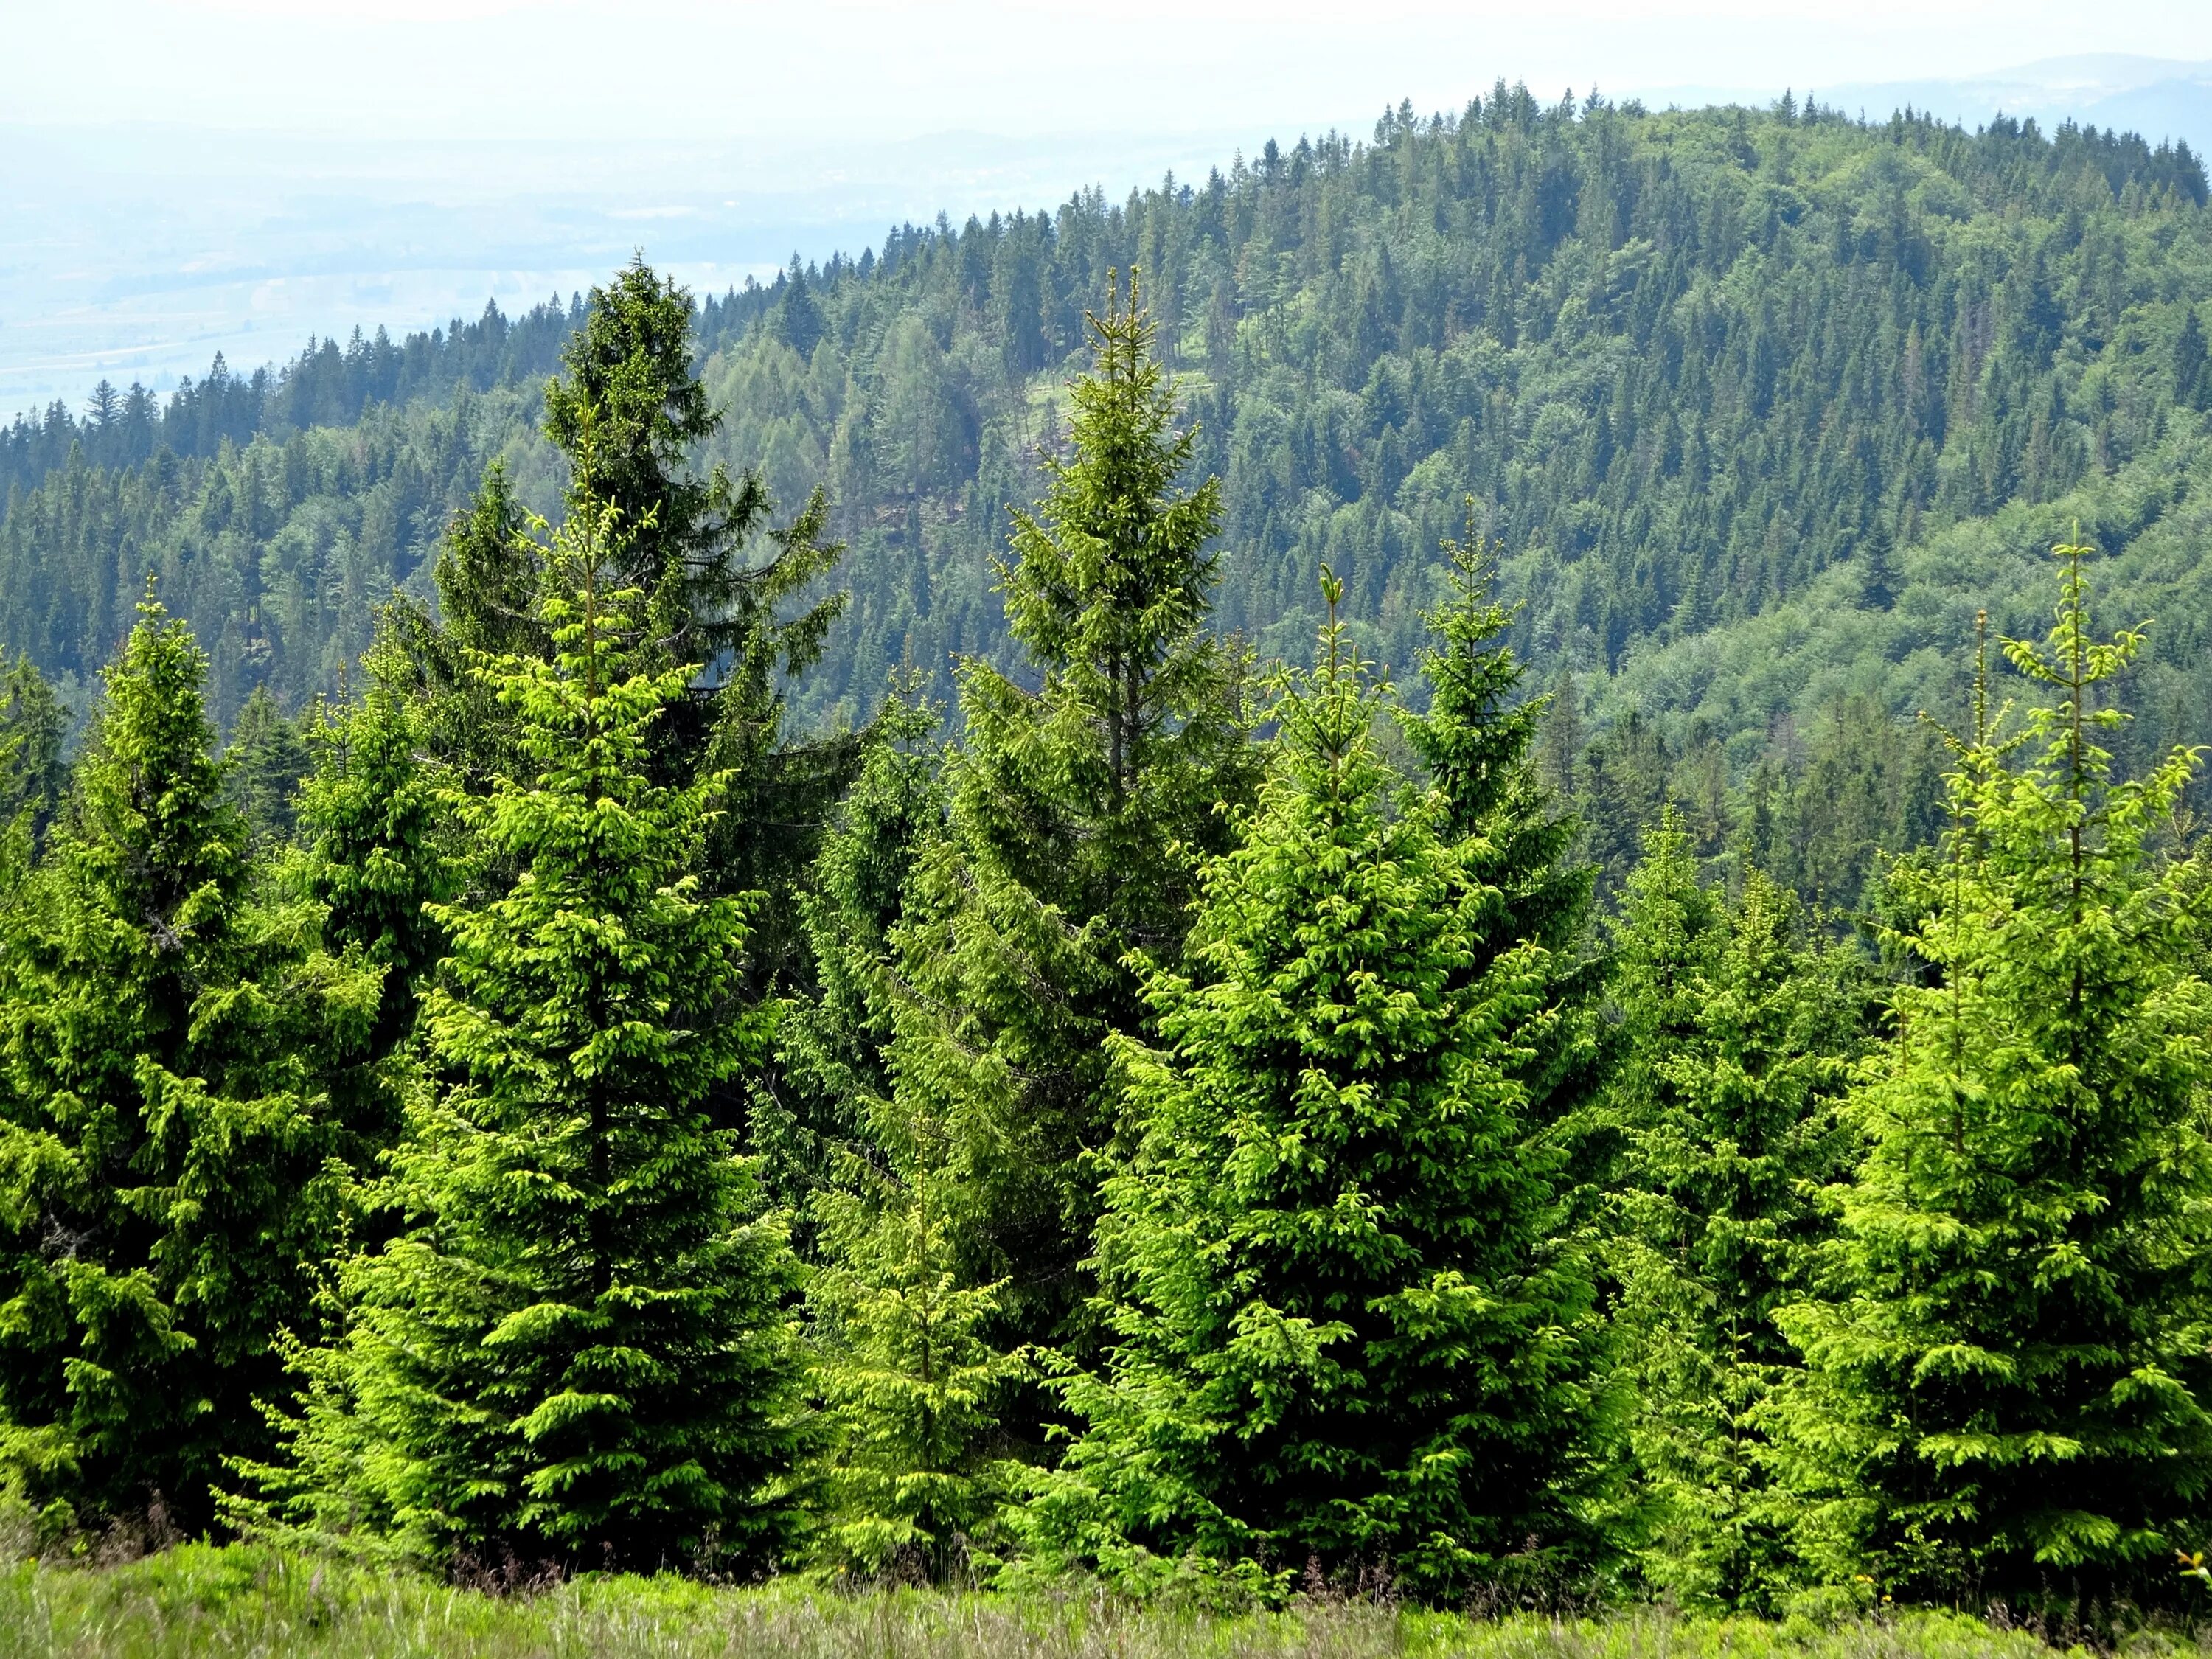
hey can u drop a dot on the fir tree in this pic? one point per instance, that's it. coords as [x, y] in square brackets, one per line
[577, 1351]
[168, 1130]
[1352, 1326]
[1076, 812]
[1736, 1036]
[2006, 1373]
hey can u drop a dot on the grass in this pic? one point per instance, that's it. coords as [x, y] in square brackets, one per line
[243, 1599]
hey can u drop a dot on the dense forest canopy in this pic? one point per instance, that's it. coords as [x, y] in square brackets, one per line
[1763, 407]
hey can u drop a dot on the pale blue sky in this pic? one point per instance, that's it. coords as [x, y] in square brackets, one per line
[715, 68]
[188, 176]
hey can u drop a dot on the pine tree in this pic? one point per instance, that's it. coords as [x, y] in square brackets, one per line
[2006, 1371]
[577, 1351]
[1076, 813]
[175, 1057]
[1352, 1325]
[1737, 1036]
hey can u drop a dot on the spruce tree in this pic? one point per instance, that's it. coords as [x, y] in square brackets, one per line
[176, 1057]
[628, 414]
[1353, 1326]
[263, 766]
[913, 1476]
[2006, 1370]
[33, 725]
[1737, 1036]
[376, 857]
[1077, 811]
[1477, 740]
[835, 1087]
[577, 1351]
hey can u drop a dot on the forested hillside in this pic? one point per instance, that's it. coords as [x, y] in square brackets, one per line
[593, 1060]
[1761, 406]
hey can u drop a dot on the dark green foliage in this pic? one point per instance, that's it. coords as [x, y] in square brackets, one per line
[1077, 811]
[1351, 1324]
[1688, 364]
[577, 1349]
[168, 1127]
[263, 766]
[1477, 740]
[33, 725]
[2006, 1384]
[836, 1085]
[2192, 386]
[627, 417]
[1735, 1038]
[327, 384]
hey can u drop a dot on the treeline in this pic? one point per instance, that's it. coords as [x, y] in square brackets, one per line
[327, 384]
[1185, 1123]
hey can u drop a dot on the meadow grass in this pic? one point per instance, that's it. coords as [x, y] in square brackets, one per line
[246, 1599]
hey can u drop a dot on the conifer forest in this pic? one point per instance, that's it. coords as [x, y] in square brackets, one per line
[1466, 869]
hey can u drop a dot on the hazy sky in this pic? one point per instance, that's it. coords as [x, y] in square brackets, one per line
[184, 176]
[704, 69]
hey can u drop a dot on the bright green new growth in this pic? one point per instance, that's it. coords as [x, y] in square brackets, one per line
[578, 1349]
[911, 1481]
[1735, 1037]
[374, 813]
[2007, 1371]
[1351, 1328]
[167, 1133]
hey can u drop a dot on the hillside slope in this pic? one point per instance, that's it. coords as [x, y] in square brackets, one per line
[1763, 407]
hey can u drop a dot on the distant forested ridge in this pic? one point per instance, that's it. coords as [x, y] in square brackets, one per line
[1762, 406]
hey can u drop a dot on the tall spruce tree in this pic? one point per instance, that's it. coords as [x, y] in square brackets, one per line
[169, 1129]
[578, 1349]
[1353, 1326]
[628, 414]
[1077, 812]
[1737, 1036]
[1477, 737]
[2007, 1370]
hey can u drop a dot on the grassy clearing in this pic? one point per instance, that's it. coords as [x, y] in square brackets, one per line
[243, 1601]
